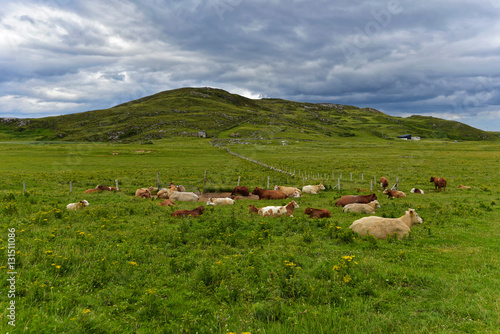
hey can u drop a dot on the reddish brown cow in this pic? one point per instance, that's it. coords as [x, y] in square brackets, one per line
[394, 193]
[384, 183]
[348, 199]
[317, 213]
[167, 202]
[268, 194]
[185, 213]
[90, 191]
[439, 183]
[102, 188]
[242, 190]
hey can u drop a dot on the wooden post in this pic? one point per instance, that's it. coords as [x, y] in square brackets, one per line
[24, 186]
[116, 183]
[268, 182]
[70, 186]
[205, 180]
[338, 184]
[157, 181]
[239, 178]
[371, 185]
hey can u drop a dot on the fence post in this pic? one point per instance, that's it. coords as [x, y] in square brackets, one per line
[205, 180]
[239, 178]
[268, 182]
[338, 184]
[351, 176]
[70, 186]
[157, 180]
[362, 177]
[371, 185]
[24, 186]
[116, 183]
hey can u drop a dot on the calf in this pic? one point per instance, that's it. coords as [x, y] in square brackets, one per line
[317, 213]
[368, 208]
[439, 183]
[348, 199]
[77, 206]
[381, 227]
[185, 213]
[394, 193]
[416, 191]
[313, 189]
[268, 194]
[276, 211]
[463, 187]
[220, 201]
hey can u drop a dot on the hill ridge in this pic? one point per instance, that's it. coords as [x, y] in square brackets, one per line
[190, 111]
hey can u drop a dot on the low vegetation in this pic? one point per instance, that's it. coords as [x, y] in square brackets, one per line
[124, 265]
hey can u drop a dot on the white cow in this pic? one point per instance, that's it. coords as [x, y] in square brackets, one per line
[313, 189]
[368, 208]
[77, 206]
[276, 211]
[220, 201]
[381, 227]
[184, 196]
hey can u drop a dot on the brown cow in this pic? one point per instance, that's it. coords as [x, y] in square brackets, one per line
[143, 192]
[185, 213]
[439, 182]
[348, 199]
[242, 190]
[167, 202]
[268, 194]
[384, 183]
[90, 191]
[394, 193]
[106, 188]
[317, 213]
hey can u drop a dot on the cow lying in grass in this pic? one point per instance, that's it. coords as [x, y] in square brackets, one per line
[416, 191]
[313, 189]
[289, 191]
[381, 228]
[276, 211]
[220, 201]
[317, 213]
[394, 193]
[268, 194]
[185, 213]
[77, 206]
[143, 192]
[368, 208]
[184, 196]
[167, 202]
[348, 199]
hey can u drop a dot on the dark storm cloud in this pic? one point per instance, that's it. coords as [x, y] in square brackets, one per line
[401, 57]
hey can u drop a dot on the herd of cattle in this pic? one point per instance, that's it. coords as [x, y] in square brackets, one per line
[378, 227]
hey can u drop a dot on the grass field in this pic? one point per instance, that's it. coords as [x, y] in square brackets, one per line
[123, 265]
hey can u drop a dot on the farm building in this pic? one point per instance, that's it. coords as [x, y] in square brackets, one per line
[408, 137]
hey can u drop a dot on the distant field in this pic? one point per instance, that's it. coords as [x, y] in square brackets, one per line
[123, 265]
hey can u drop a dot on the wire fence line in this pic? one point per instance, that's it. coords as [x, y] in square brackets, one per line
[305, 175]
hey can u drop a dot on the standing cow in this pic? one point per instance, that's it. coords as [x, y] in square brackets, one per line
[439, 183]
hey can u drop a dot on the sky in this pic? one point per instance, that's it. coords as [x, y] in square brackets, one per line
[431, 58]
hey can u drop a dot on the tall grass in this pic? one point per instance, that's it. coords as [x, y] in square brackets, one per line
[124, 265]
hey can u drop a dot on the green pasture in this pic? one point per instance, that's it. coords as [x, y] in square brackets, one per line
[124, 265]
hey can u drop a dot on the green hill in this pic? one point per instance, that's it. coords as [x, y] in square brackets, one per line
[189, 111]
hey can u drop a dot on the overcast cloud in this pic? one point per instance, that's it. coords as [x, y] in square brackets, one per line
[438, 58]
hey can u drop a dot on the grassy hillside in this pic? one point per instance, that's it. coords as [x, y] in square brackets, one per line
[186, 111]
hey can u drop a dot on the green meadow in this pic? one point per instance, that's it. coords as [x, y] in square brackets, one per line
[124, 265]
